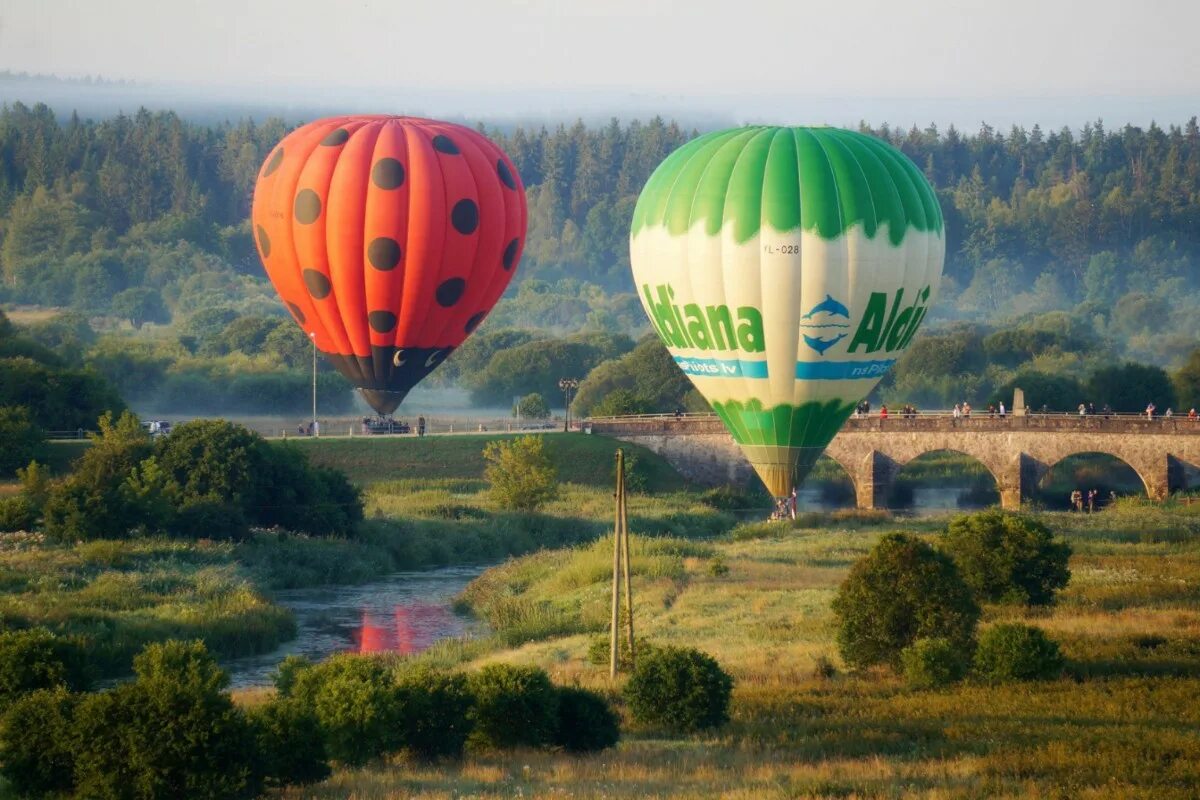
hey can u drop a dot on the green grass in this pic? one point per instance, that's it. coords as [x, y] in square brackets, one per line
[1123, 721]
[579, 458]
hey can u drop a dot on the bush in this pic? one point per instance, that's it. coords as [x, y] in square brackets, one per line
[16, 514]
[21, 440]
[514, 706]
[586, 722]
[599, 654]
[1015, 652]
[903, 590]
[289, 744]
[208, 518]
[932, 662]
[1008, 558]
[679, 688]
[172, 732]
[532, 406]
[37, 659]
[356, 702]
[35, 743]
[520, 472]
[437, 712]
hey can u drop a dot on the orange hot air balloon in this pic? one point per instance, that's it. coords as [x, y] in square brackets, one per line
[389, 239]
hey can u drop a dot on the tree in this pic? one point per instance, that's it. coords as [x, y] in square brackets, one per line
[21, 441]
[1055, 392]
[1187, 381]
[1129, 387]
[1008, 558]
[532, 406]
[520, 473]
[139, 306]
[903, 590]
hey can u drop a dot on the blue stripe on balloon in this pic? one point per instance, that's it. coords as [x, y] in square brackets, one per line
[842, 370]
[722, 367]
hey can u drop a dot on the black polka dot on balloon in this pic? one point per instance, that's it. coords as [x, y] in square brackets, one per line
[450, 292]
[381, 321]
[506, 176]
[444, 144]
[296, 312]
[334, 138]
[317, 283]
[264, 241]
[510, 254]
[388, 173]
[474, 321]
[273, 164]
[384, 253]
[308, 206]
[465, 216]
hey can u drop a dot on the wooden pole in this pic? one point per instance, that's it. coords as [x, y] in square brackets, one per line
[616, 593]
[625, 567]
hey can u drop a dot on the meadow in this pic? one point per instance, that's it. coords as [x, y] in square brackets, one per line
[1122, 721]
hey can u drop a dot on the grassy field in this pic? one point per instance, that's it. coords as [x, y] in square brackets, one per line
[1122, 722]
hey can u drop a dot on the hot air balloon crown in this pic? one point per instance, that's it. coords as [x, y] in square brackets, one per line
[786, 269]
[388, 239]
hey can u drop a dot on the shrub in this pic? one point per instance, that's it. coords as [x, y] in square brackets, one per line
[21, 440]
[598, 651]
[37, 659]
[208, 518]
[679, 688]
[171, 732]
[16, 514]
[287, 672]
[1015, 652]
[35, 743]
[289, 744]
[586, 722]
[520, 473]
[1008, 558]
[356, 702]
[903, 590]
[437, 712]
[532, 406]
[514, 706]
[932, 662]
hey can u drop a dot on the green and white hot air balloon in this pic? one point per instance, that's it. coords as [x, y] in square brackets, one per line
[786, 269]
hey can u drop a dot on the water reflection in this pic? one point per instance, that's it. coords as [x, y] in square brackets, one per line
[402, 613]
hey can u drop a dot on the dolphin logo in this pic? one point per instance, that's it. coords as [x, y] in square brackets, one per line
[821, 345]
[828, 306]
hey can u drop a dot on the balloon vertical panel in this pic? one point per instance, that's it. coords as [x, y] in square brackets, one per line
[786, 269]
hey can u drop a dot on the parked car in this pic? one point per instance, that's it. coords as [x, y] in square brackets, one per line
[384, 425]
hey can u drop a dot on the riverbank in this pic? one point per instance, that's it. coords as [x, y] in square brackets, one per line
[1121, 723]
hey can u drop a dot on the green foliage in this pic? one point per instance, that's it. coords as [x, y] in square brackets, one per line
[515, 706]
[929, 663]
[537, 366]
[1187, 381]
[586, 722]
[140, 305]
[1054, 392]
[21, 440]
[532, 406]
[1008, 558]
[357, 703]
[1015, 652]
[171, 732]
[36, 743]
[17, 514]
[1130, 386]
[437, 712]
[289, 744]
[521, 475]
[618, 403]
[645, 380]
[37, 659]
[736, 498]
[56, 398]
[903, 590]
[680, 689]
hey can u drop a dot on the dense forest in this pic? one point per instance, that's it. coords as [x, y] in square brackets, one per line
[1082, 247]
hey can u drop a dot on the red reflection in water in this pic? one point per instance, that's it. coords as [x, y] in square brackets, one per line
[414, 628]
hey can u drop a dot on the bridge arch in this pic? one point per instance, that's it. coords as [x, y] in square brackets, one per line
[1151, 472]
[978, 484]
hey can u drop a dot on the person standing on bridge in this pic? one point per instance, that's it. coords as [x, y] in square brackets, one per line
[957, 411]
[1192, 414]
[1150, 410]
[1001, 409]
[883, 411]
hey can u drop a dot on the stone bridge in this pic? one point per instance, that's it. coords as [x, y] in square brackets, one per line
[1017, 450]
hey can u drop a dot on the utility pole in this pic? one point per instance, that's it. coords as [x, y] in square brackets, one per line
[315, 428]
[620, 570]
[568, 386]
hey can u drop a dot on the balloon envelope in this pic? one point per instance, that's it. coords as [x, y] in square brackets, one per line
[786, 269]
[388, 239]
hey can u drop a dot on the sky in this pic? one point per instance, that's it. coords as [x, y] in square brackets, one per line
[760, 60]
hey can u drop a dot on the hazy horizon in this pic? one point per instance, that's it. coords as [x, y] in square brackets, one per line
[951, 63]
